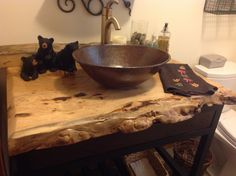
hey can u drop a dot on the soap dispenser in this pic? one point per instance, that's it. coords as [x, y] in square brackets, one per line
[163, 39]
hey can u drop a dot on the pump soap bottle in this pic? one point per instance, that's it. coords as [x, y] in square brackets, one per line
[163, 39]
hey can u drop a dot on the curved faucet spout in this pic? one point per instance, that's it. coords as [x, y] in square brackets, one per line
[111, 2]
[106, 37]
[114, 21]
[107, 20]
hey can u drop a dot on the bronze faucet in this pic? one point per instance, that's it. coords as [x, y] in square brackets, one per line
[107, 20]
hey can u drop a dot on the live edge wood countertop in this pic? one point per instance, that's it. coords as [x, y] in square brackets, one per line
[57, 110]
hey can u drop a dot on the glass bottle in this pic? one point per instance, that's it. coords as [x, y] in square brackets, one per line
[163, 39]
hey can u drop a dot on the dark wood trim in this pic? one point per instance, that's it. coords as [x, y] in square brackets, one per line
[204, 145]
[4, 158]
[178, 170]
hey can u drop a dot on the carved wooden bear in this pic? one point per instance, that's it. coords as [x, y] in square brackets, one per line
[64, 59]
[45, 54]
[29, 69]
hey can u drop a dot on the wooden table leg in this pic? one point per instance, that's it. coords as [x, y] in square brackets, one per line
[201, 153]
[203, 147]
[4, 158]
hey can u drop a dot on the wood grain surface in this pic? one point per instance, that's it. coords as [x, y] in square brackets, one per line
[57, 110]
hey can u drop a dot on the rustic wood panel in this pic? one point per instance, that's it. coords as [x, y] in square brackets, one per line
[57, 110]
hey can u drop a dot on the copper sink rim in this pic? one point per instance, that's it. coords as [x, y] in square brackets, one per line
[125, 67]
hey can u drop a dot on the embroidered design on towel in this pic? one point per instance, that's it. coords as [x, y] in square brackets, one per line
[176, 80]
[180, 79]
[195, 85]
[186, 78]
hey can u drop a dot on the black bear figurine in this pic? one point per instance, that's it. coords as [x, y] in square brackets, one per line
[64, 59]
[45, 54]
[28, 69]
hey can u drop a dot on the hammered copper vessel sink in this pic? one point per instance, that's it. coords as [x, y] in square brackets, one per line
[118, 66]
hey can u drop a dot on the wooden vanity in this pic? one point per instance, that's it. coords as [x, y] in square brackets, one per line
[58, 119]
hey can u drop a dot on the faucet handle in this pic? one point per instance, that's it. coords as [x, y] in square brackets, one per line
[111, 2]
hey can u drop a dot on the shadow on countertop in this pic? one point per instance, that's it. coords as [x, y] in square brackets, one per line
[82, 86]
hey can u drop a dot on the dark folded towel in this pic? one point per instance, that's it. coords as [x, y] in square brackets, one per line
[180, 79]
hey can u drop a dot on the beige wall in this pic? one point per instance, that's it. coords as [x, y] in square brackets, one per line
[192, 32]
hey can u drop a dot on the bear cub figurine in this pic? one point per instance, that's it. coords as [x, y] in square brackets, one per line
[29, 69]
[64, 59]
[45, 54]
